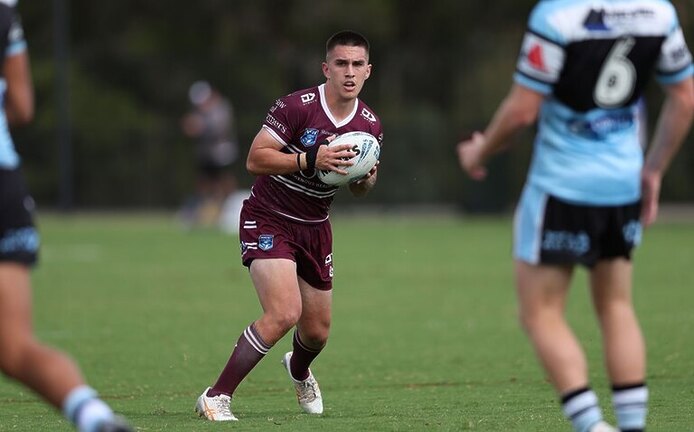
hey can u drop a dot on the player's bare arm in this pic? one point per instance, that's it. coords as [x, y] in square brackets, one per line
[518, 111]
[19, 104]
[673, 124]
[265, 157]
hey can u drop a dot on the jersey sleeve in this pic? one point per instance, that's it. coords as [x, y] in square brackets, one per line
[277, 121]
[375, 127]
[12, 34]
[542, 54]
[675, 60]
[378, 133]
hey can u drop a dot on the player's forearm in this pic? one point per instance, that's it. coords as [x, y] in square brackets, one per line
[269, 161]
[673, 124]
[511, 118]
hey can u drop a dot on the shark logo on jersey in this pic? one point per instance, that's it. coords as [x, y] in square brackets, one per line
[309, 137]
[536, 58]
[595, 21]
[265, 241]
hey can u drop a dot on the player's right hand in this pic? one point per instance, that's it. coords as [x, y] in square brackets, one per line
[469, 156]
[332, 158]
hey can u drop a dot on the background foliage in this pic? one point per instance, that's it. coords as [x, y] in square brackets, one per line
[440, 69]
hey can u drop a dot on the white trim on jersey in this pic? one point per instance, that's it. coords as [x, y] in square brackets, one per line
[326, 110]
[301, 188]
[298, 219]
[274, 135]
[294, 149]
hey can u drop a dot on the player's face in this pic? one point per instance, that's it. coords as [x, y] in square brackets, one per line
[346, 68]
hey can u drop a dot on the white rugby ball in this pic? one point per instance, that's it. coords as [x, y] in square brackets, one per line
[367, 152]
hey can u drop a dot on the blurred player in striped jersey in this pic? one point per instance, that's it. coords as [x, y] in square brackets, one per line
[581, 72]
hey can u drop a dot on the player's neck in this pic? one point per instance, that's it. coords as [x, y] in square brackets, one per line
[339, 107]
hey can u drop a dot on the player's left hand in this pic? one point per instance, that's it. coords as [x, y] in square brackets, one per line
[469, 156]
[362, 186]
[368, 175]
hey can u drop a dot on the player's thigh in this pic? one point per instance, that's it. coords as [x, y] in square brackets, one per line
[276, 284]
[611, 282]
[15, 304]
[541, 287]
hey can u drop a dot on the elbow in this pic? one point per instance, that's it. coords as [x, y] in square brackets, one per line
[518, 115]
[21, 116]
[688, 104]
[253, 167]
[25, 117]
[521, 117]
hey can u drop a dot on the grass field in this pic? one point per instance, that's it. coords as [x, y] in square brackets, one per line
[424, 332]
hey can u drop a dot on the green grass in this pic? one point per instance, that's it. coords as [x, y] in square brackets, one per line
[424, 332]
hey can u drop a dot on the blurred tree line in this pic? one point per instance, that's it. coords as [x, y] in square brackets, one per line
[439, 70]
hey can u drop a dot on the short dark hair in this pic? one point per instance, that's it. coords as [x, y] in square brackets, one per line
[347, 38]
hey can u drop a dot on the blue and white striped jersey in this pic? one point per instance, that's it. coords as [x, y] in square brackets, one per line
[11, 43]
[592, 59]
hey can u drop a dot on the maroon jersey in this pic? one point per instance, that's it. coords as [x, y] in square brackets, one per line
[300, 121]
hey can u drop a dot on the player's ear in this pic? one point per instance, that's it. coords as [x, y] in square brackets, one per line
[326, 70]
[368, 72]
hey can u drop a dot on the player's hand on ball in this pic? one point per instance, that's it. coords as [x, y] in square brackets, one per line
[368, 175]
[332, 158]
[469, 152]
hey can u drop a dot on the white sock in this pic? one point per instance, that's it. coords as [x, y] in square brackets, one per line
[581, 408]
[630, 406]
[83, 408]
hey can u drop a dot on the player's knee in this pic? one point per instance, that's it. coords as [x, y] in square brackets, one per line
[530, 320]
[316, 336]
[13, 357]
[524, 321]
[286, 319]
[619, 310]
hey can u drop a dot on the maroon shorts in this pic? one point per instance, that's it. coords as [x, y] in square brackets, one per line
[265, 234]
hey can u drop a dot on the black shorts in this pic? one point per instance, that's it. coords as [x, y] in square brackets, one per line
[19, 240]
[551, 231]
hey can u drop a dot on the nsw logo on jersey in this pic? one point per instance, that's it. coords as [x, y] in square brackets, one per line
[309, 137]
[266, 241]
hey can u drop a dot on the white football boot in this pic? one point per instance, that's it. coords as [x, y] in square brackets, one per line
[307, 391]
[601, 426]
[216, 408]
